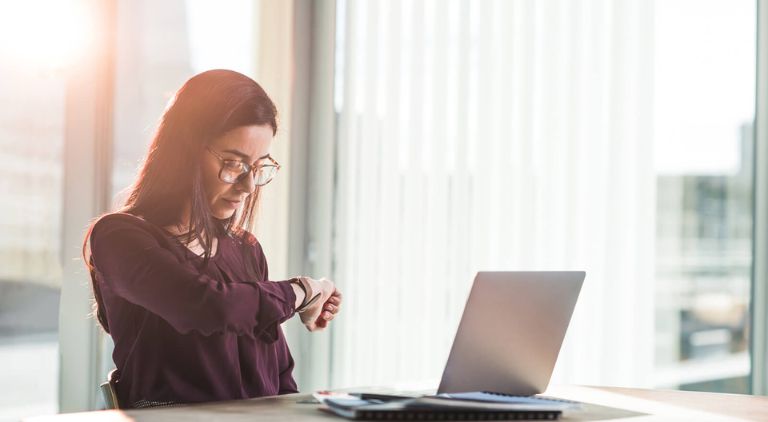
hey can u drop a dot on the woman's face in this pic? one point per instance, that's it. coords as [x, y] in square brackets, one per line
[250, 144]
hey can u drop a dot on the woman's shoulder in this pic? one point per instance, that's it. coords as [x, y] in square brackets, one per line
[119, 221]
[122, 230]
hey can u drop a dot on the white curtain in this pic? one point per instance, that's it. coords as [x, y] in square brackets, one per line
[492, 135]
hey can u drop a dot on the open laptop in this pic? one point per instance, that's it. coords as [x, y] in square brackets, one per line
[511, 332]
[507, 343]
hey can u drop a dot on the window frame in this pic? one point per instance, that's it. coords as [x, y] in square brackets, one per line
[87, 163]
[759, 308]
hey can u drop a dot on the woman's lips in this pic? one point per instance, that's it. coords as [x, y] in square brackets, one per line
[233, 204]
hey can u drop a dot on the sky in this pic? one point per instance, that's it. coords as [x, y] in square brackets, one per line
[704, 84]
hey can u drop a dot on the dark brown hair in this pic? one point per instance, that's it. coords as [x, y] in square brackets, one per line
[207, 106]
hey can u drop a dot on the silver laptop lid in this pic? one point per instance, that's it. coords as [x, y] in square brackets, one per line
[511, 332]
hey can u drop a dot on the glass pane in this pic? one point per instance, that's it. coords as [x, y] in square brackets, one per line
[35, 49]
[613, 137]
[704, 109]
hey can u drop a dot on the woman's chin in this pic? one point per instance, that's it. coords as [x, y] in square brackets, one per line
[223, 214]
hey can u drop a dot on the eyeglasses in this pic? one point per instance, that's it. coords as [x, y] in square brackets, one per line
[234, 171]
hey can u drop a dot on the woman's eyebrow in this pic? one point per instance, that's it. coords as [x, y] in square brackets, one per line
[237, 152]
[243, 155]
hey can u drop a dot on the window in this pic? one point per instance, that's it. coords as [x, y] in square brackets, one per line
[704, 137]
[35, 51]
[613, 137]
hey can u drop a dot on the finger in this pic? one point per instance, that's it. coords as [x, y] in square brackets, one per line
[331, 308]
[317, 324]
[333, 301]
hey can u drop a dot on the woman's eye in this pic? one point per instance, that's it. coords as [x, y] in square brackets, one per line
[233, 165]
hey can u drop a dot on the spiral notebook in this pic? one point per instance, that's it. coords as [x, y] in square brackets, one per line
[439, 408]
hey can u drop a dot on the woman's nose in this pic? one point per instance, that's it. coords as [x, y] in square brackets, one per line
[247, 182]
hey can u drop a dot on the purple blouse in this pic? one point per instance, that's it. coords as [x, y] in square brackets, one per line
[184, 333]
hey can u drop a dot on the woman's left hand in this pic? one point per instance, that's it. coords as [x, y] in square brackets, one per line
[330, 309]
[320, 312]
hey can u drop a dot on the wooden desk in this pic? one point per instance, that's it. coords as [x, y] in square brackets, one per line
[600, 404]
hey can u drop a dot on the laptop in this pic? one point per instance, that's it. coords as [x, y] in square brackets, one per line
[505, 347]
[511, 332]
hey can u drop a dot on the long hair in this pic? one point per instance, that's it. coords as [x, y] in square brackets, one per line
[207, 106]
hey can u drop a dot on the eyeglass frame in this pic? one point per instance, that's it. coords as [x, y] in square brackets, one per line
[249, 168]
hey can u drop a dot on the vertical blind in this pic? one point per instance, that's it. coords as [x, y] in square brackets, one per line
[493, 135]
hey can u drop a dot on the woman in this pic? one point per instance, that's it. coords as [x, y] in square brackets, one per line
[179, 283]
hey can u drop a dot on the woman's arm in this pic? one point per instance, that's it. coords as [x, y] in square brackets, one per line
[317, 315]
[134, 266]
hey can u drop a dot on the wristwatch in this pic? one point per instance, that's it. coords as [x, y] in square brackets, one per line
[307, 289]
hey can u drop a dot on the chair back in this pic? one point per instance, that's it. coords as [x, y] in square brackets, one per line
[109, 391]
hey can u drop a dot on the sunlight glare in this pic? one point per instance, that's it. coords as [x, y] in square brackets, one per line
[48, 33]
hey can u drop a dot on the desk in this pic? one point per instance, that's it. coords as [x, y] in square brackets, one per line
[600, 404]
